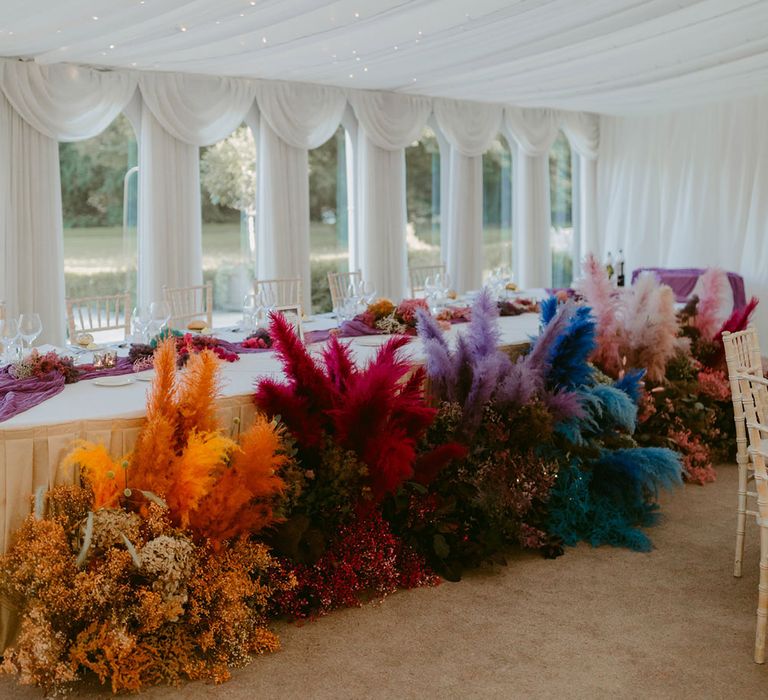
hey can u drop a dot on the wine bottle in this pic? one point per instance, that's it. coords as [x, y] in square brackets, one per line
[620, 279]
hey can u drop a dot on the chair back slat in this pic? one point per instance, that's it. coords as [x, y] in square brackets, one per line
[286, 292]
[189, 304]
[338, 282]
[98, 313]
[419, 274]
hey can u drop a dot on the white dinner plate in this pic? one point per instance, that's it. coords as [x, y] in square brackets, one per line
[145, 376]
[113, 381]
[371, 342]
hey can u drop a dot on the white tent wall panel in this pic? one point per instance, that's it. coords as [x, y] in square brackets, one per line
[689, 189]
[178, 113]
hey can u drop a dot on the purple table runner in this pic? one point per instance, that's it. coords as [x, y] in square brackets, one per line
[19, 395]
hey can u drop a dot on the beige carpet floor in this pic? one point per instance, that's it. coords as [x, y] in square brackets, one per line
[595, 623]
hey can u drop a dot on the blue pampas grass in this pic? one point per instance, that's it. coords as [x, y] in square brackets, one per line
[609, 502]
[548, 310]
[630, 383]
[616, 408]
[569, 352]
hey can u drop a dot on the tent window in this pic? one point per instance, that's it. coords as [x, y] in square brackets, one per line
[561, 211]
[99, 180]
[228, 201]
[497, 207]
[422, 173]
[328, 220]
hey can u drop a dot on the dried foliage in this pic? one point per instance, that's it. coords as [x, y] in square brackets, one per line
[148, 606]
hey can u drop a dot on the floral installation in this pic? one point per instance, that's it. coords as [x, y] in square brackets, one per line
[146, 573]
[41, 365]
[523, 423]
[685, 401]
[130, 598]
[357, 433]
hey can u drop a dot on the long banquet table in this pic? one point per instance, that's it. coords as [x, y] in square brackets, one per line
[33, 443]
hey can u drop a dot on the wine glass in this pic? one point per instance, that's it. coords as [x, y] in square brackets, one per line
[140, 320]
[366, 292]
[159, 314]
[30, 327]
[265, 305]
[9, 339]
[250, 310]
[445, 289]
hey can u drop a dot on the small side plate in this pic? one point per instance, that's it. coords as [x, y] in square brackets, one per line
[113, 381]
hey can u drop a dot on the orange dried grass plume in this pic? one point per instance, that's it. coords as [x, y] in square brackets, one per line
[195, 472]
[155, 444]
[210, 483]
[242, 500]
[197, 394]
[99, 469]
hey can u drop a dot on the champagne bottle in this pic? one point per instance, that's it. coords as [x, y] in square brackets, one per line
[609, 265]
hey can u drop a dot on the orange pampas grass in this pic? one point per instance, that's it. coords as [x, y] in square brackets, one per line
[209, 484]
[102, 472]
[155, 444]
[243, 498]
[194, 472]
[197, 393]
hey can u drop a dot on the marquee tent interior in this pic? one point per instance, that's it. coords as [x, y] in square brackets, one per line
[654, 111]
[662, 103]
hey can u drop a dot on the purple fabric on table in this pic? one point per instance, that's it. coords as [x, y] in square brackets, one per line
[239, 348]
[683, 280]
[19, 395]
[348, 329]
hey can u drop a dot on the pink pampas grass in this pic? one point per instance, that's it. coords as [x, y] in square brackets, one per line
[600, 295]
[714, 296]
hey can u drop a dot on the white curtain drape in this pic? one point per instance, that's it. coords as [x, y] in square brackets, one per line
[41, 106]
[583, 132]
[689, 189]
[293, 119]
[469, 128]
[180, 113]
[389, 122]
[534, 131]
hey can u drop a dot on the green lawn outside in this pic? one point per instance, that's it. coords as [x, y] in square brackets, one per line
[98, 261]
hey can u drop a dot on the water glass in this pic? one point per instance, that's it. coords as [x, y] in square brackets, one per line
[10, 340]
[159, 314]
[140, 322]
